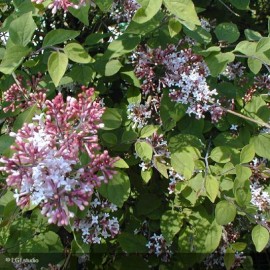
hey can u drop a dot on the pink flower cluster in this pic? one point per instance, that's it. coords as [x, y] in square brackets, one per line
[19, 96]
[60, 4]
[98, 223]
[180, 70]
[45, 169]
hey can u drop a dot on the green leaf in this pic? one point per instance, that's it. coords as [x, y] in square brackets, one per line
[221, 154]
[217, 62]
[184, 10]
[51, 238]
[212, 187]
[81, 13]
[148, 10]
[82, 74]
[199, 34]
[247, 153]
[144, 150]
[260, 237]
[225, 212]
[104, 5]
[148, 131]
[129, 136]
[263, 44]
[174, 27]
[160, 166]
[147, 203]
[243, 172]
[57, 65]
[22, 29]
[146, 175]
[252, 35]
[58, 36]
[227, 32]
[240, 4]
[179, 142]
[254, 64]
[109, 138]
[111, 119]
[246, 47]
[120, 163]
[132, 243]
[213, 237]
[171, 223]
[122, 45]
[239, 246]
[12, 58]
[183, 164]
[5, 142]
[241, 191]
[257, 109]
[112, 67]
[261, 145]
[25, 117]
[117, 189]
[229, 258]
[77, 53]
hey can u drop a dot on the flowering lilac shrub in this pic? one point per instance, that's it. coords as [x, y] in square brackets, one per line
[161, 157]
[43, 170]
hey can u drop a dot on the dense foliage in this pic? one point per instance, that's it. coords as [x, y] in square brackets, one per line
[135, 134]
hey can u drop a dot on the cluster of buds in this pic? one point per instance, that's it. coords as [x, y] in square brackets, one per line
[61, 4]
[180, 70]
[45, 168]
[123, 10]
[98, 224]
[19, 96]
[261, 83]
[157, 245]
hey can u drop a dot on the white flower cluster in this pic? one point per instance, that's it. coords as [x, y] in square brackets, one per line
[234, 70]
[139, 114]
[260, 198]
[98, 224]
[194, 88]
[123, 10]
[174, 178]
[157, 245]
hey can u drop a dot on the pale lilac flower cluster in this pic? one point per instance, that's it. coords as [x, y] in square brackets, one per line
[19, 96]
[262, 82]
[160, 150]
[260, 198]
[45, 168]
[98, 223]
[123, 10]
[61, 4]
[157, 245]
[174, 178]
[234, 70]
[182, 71]
[139, 114]
[206, 25]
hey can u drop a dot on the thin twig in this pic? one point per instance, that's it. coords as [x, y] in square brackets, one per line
[254, 57]
[258, 122]
[226, 6]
